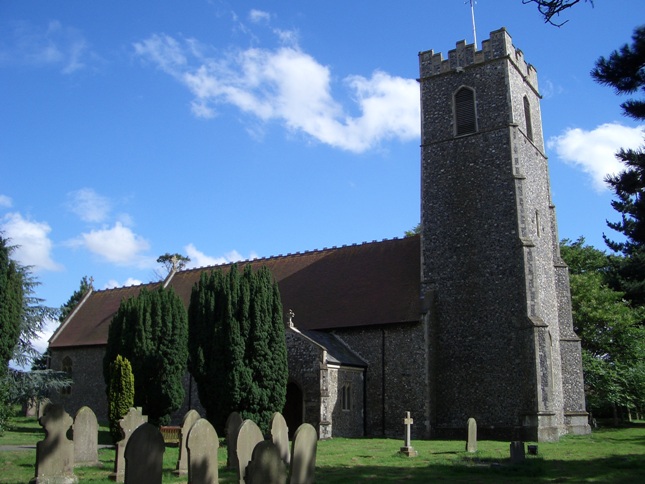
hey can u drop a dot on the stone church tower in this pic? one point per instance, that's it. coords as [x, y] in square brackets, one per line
[496, 294]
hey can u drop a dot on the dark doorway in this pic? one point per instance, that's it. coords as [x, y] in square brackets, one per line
[293, 408]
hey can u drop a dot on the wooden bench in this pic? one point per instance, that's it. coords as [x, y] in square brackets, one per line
[171, 434]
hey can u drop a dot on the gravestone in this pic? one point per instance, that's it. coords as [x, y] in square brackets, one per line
[407, 449]
[144, 455]
[248, 436]
[233, 423]
[202, 444]
[190, 418]
[86, 437]
[303, 455]
[42, 406]
[518, 453]
[471, 441]
[280, 436]
[266, 466]
[55, 454]
[129, 423]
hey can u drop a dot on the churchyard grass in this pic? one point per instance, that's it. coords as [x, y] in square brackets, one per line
[608, 455]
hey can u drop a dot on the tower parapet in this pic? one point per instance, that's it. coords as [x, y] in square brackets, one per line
[498, 46]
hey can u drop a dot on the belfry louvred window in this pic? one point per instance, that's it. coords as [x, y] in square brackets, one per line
[465, 114]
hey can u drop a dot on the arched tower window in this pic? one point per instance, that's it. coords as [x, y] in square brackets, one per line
[527, 118]
[465, 113]
[67, 368]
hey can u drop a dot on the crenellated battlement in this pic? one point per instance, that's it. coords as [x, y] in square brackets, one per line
[498, 46]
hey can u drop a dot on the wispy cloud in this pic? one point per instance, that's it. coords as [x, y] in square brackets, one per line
[53, 45]
[5, 201]
[31, 238]
[199, 259]
[118, 245]
[88, 205]
[130, 281]
[288, 85]
[594, 152]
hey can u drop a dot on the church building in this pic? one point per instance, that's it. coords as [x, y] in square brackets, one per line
[470, 318]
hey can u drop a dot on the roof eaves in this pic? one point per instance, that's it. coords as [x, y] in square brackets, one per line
[70, 316]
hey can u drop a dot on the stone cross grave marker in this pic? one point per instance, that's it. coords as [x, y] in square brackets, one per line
[55, 454]
[407, 449]
[86, 437]
[144, 455]
[303, 455]
[133, 419]
[518, 453]
[202, 444]
[266, 465]
[280, 436]
[248, 436]
[190, 418]
[471, 442]
[232, 426]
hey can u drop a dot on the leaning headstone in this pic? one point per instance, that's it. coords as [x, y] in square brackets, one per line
[132, 420]
[144, 455]
[266, 466]
[518, 453]
[86, 437]
[248, 436]
[233, 423]
[471, 442]
[202, 444]
[280, 436]
[190, 418]
[303, 455]
[55, 454]
[407, 448]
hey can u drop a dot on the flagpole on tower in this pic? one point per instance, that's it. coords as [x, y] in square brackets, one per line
[472, 13]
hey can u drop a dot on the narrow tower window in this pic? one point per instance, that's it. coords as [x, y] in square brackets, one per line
[465, 115]
[527, 117]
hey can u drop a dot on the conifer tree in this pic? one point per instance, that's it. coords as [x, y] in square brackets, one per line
[151, 330]
[120, 394]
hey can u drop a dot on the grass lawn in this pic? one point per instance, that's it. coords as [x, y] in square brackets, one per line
[608, 455]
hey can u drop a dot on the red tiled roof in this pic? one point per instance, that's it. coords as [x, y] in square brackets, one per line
[358, 285]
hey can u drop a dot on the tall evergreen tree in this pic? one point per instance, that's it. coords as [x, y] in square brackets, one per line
[120, 394]
[237, 345]
[624, 70]
[151, 330]
[75, 298]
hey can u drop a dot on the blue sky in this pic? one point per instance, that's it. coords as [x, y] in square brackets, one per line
[230, 130]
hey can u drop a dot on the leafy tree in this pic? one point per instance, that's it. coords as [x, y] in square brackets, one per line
[623, 70]
[120, 394]
[237, 345]
[613, 341]
[172, 262]
[74, 299]
[151, 331]
[416, 230]
[11, 305]
[553, 8]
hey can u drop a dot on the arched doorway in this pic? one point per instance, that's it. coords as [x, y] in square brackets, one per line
[293, 408]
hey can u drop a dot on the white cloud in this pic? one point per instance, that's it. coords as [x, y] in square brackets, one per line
[594, 151]
[288, 85]
[119, 245]
[88, 205]
[5, 201]
[55, 45]
[31, 238]
[257, 16]
[199, 259]
[130, 281]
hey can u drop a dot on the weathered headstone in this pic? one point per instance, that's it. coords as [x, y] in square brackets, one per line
[144, 455]
[190, 418]
[202, 444]
[303, 455]
[518, 453]
[280, 436]
[471, 441]
[233, 423]
[407, 449]
[55, 454]
[248, 436]
[42, 406]
[266, 466]
[133, 419]
[86, 437]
